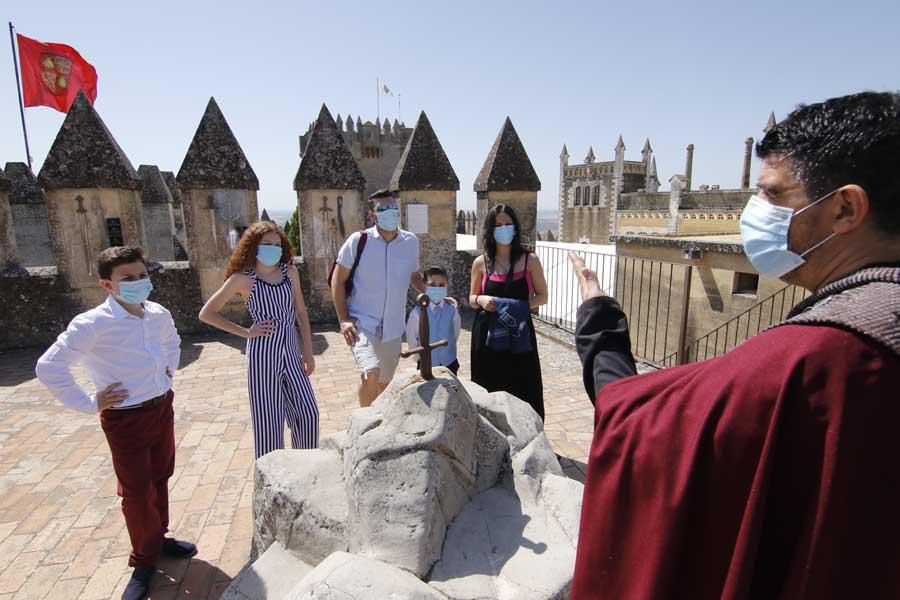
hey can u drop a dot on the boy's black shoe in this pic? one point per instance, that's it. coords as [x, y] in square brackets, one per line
[172, 548]
[138, 587]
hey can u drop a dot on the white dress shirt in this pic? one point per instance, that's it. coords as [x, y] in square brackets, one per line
[114, 346]
[381, 281]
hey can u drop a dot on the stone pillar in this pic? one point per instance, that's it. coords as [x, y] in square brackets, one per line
[329, 188]
[159, 219]
[508, 177]
[93, 198]
[689, 167]
[564, 235]
[7, 236]
[748, 155]
[676, 186]
[29, 217]
[218, 190]
[427, 186]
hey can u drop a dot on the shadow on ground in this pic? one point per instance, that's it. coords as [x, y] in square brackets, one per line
[188, 579]
[192, 345]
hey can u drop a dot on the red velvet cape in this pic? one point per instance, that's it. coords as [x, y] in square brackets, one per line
[770, 472]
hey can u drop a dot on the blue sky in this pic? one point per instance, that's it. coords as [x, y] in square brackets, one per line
[579, 73]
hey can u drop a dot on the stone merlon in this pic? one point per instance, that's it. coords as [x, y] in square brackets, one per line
[155, 190]
[169, 178]
[85, 154]
[5, 184]
[327, 163]
[214, 158]
[25, 188]
[507, 167]
[423, 164]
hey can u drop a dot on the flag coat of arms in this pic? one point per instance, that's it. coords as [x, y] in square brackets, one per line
[52, 74]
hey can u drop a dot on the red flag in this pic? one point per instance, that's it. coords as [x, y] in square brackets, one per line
[52, 74]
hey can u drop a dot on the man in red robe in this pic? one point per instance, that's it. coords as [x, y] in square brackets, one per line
[770, 472]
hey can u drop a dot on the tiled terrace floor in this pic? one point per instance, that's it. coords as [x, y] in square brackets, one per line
[62, 534]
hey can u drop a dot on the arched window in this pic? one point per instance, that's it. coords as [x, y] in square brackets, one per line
[596, 200]
[578, 195]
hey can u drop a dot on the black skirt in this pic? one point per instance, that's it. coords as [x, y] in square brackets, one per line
[517, 374]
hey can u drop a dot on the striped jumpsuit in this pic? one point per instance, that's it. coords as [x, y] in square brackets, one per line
[278, 385]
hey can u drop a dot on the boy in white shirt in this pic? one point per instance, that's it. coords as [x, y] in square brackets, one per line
[443, 320]
[130, 349]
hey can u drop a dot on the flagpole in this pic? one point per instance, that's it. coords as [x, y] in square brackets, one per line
[378, 95]
[12, 44]
[398, 107]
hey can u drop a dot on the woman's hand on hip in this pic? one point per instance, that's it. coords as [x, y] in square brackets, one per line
[263, 328]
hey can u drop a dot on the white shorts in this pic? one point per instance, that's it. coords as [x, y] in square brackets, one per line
[371, 353]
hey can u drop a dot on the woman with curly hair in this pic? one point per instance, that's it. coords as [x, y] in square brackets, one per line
[262, 273]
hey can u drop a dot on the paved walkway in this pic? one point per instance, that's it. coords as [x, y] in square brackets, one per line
[62, 535]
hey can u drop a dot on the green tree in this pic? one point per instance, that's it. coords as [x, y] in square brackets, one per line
[293, 231]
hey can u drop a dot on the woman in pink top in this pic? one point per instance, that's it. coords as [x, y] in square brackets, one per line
[506, 270]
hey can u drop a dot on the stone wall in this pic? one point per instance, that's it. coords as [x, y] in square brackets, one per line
[36, 308]
[32, 235]
[159, 223]
[39, 307]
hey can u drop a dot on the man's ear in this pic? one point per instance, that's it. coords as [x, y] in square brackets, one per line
[852, 208]
[106, 284]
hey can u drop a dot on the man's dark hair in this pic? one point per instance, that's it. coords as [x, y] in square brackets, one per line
[382, 194]
[111, 258]
[853, 139]
[435, 270]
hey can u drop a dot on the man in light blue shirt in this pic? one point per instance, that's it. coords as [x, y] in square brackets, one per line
[373, 314]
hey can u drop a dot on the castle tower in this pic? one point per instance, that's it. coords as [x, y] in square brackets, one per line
[427, 185]
[508, 177]
[181, 244]
[648, 160]
[156, 211]
[748, 156]
[590, 158]
[652, 176]
[618, 185]
[563, 203]
[218, 190]
[349, 124]
[329, 188]
[29, 217]
[770, 124]
[688, 167]
[7, 236]
[93, 197]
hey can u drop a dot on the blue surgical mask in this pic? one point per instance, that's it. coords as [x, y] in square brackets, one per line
[764, 231]
[504, 234]
[388, 219]
[436, 293]
[135, 292]
[268, 254]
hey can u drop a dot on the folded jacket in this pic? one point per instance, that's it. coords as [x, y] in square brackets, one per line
[508, 327]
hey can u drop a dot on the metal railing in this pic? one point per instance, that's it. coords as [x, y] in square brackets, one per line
[655, 296]
[652, 294]
[739, 329]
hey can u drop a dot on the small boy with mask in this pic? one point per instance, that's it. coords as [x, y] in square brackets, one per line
[443, 320]
[130, 349]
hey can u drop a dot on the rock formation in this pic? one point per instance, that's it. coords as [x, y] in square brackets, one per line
[438, 490]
